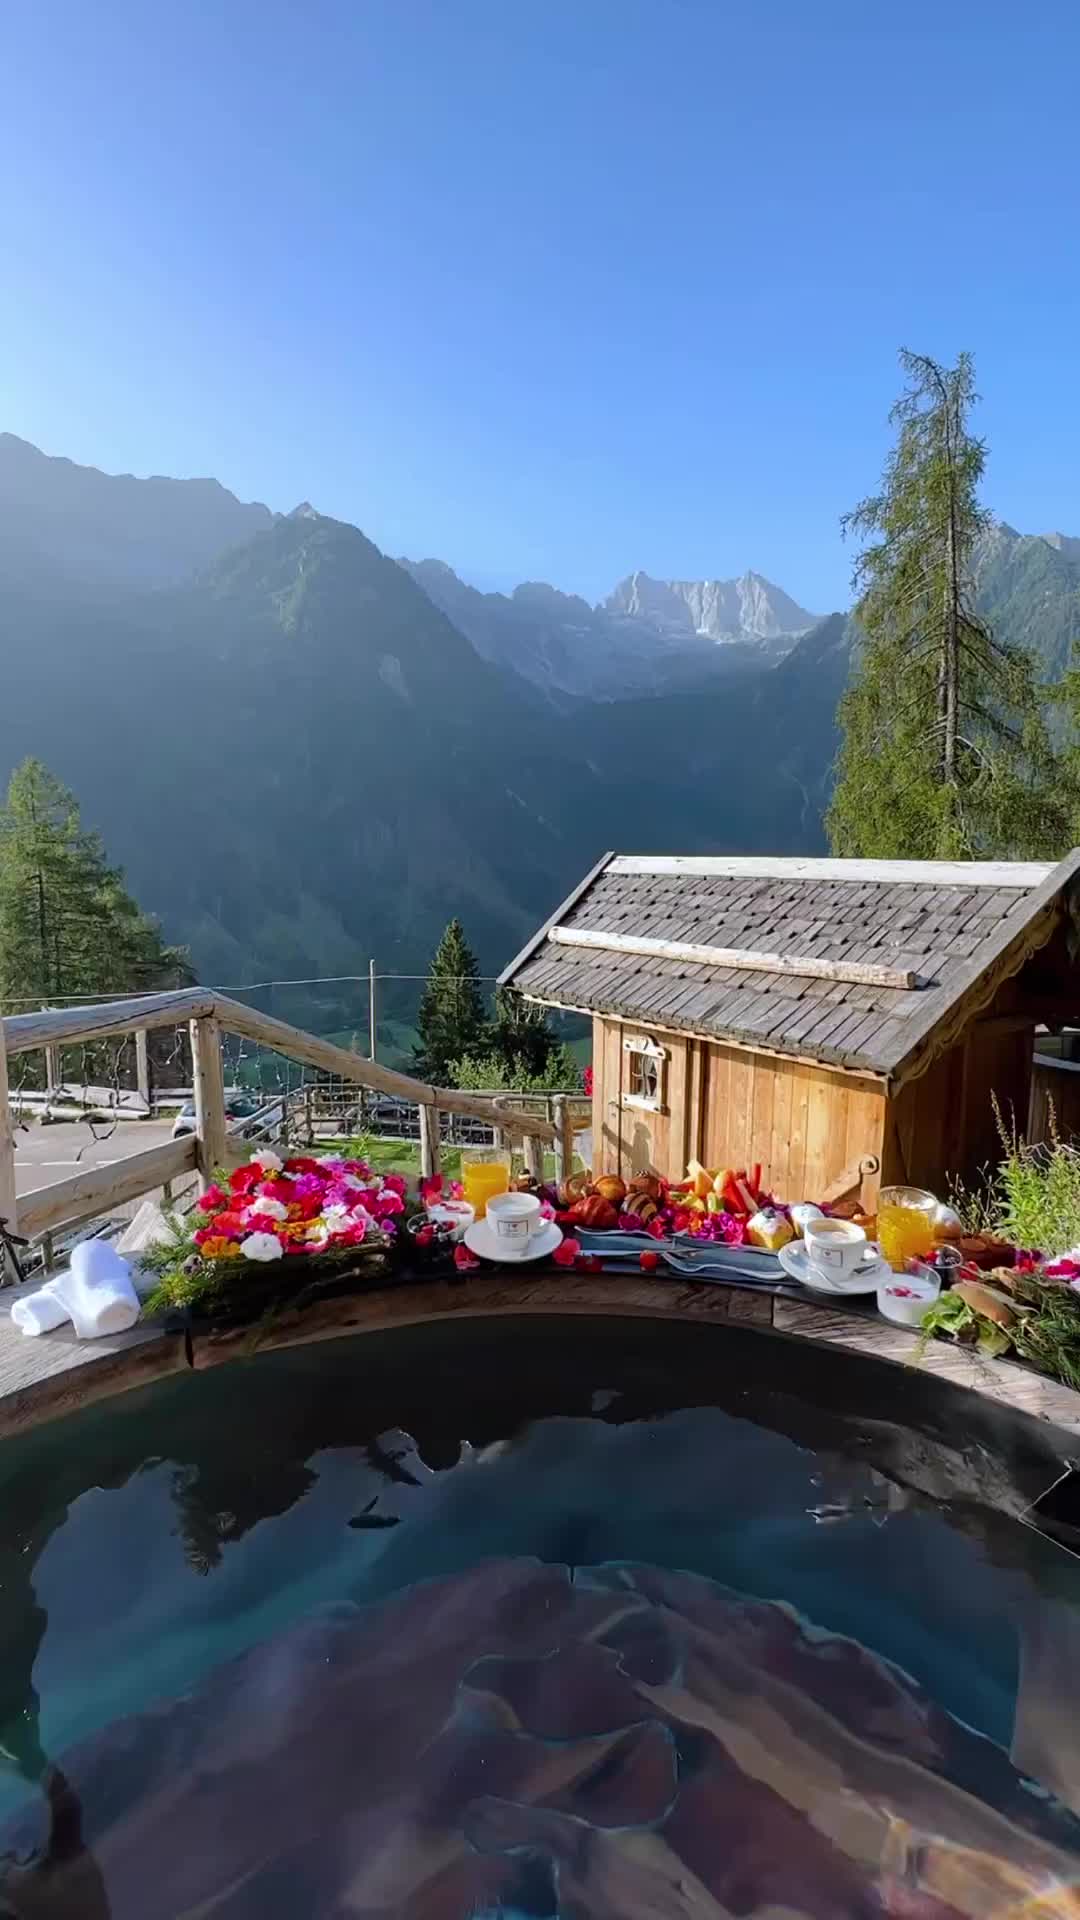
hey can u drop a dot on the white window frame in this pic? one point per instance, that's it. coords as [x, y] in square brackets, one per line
[641, 1043]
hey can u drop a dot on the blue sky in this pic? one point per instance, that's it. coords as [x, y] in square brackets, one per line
[549, 288]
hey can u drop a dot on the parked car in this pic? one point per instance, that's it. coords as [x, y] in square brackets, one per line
[238, 1106]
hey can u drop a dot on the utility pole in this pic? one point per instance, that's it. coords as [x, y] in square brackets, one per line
[372, 1055]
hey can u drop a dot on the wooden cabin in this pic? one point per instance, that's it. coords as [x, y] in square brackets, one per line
[844, 1022]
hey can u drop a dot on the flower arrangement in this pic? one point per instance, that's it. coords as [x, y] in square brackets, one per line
[307, 1211]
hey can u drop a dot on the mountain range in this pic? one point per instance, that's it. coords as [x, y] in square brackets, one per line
[306, 754]
[647, 635]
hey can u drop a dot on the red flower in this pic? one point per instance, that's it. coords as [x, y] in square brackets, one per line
[648, 1261]
[396, 1182]
[657, 1228]
[303, 1163]
[464, 1261]
[431, 1189]
[567, 1253]
[212, 1199]
[588, 1263]
[586, 1081]
[245, 1179]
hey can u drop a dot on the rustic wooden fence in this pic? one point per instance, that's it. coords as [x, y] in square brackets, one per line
[210, 1016]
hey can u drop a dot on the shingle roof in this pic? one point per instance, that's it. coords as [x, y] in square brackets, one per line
[947, 923]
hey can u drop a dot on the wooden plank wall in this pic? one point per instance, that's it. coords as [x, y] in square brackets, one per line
[805, 1124]
[941, 1127]
[728, 1107]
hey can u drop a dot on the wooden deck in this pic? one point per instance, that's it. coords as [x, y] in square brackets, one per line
[55, 1374]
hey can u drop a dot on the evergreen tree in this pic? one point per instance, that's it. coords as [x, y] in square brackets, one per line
[521, 1033]
[944, 750]
[68, 926]
[452, 1020]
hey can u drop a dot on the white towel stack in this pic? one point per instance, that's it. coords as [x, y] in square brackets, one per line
[95, 1293]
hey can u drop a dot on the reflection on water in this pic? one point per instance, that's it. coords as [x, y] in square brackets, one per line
[465, 1624]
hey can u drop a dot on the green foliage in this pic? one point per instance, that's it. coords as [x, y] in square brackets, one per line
[452, 1019]
[67, 923]
[1031, 1198]
[559, 1073]
[945, 751]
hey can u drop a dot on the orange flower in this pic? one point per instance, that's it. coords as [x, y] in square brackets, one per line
[218, 1248]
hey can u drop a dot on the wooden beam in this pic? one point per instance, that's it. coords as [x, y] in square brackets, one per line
[534, 1156]
[277, 1034]
[429, 1141]
[930, 873]
[100, 1189]
[142, 1067]
[564, 1140]
[208, 1082]
[60, 1026]
[853, 972]
[7, 1151]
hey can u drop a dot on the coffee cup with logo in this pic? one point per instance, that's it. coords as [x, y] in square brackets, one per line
[838, 1248]
[512, 1220]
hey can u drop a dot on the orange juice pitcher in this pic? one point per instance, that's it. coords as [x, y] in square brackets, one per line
[905, 1224]
[485, 1171]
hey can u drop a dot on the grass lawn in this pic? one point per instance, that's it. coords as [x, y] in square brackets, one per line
[403, 1156]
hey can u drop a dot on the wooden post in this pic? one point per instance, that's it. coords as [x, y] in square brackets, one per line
[7, 1156]
[372, 1019]
[142, 1068]
[209, 1088]
[309, 1118]
[564, 1139]
[429, 1140]
[534, 1156]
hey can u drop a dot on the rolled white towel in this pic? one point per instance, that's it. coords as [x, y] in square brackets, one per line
[97, 1290]
[40, 1312]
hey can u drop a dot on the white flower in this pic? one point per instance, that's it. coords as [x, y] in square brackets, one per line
[261, 1246]
[268, 1160]
[269, 1209]
[336, 1218]
[329, 1160]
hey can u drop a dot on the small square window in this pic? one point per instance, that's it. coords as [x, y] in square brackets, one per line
[644, 1073]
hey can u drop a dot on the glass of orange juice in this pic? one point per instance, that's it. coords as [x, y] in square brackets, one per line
[905, 1224]
[485, 1171]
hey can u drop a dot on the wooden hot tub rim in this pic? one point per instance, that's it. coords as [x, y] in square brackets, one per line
[47, 1378]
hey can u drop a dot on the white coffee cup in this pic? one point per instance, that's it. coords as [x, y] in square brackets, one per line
[513, 1219]
[838, 1247]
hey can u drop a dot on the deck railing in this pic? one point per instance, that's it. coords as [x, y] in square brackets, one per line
[210, 1016]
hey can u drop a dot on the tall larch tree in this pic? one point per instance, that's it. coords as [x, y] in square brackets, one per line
[945, 752]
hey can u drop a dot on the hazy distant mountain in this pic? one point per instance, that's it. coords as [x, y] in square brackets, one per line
[749, 609]
[645, 638]
[105, 528]
[302, 761]
[1028, 588]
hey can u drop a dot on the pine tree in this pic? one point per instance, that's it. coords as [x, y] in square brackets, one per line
[452, 1020]
[68, 926]
[944, 751]
[521, 1033]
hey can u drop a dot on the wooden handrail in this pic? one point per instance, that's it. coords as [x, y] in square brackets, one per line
[209, 1014]
[62, 1026]
[101, 1188]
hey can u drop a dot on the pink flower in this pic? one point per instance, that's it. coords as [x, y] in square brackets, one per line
[566, 1253]
[388, 1203]
[464, 1260]
[730, 1229]
[547, 1211]
[396, 1182]
[457, 1191]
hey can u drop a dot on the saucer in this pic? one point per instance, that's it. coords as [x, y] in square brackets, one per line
[865, 1279]
[480, 1239]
